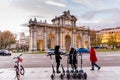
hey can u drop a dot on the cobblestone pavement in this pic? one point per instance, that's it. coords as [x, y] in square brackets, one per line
[108, 73]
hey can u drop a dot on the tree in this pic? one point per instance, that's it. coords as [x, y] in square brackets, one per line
[112, 42]
[99, 39]
[93, 37]
[117, 34]
[6, 39]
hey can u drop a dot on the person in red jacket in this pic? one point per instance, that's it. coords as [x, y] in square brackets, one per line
[93, 58]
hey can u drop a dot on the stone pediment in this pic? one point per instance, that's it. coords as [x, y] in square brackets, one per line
[66, 15]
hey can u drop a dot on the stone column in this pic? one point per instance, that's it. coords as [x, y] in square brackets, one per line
[58, 35]
[33, 35]
[45, 37]
[83, 40]
[31, 42]
[61, 39]
[64, 41]
[57, 38]
[75, 41]
[34, 39]
[45, 40]
[89, 40]
[72, 38]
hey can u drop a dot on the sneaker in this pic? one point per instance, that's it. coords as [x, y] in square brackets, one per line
[92, 69]
[99, 68]
[72, 71]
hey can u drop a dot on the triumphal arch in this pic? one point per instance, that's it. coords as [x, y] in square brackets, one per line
[63, 31]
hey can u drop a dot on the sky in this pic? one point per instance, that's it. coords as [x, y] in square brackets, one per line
[97, 14]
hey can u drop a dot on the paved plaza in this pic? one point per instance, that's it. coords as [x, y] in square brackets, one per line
[38, 67]
[108, 73]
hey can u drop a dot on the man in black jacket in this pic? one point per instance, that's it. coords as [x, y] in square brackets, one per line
[57, 58]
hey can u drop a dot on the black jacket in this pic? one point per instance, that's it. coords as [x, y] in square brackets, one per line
[73, 56]
[57, 54]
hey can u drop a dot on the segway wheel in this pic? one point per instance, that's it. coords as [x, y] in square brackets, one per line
[74, 75]
[61, 76]
[52, 77]
[85, 76]
[79, 75]
[68, 76]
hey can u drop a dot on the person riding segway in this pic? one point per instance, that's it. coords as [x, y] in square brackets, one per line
[73, 61]
[57, 58]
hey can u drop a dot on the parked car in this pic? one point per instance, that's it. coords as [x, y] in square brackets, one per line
[63, 51]
[14, 51]
[83, 50]
[5, 52]
[51, 51]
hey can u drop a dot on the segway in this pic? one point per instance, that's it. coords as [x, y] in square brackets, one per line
[81, 73]
[74, 71]
[63, 72]
[67, 71]
[53, 74]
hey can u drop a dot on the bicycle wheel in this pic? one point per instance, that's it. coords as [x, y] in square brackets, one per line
[18, 77]
[17, 73]
[22, 71]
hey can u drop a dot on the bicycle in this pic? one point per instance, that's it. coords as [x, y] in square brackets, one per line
[19, 69]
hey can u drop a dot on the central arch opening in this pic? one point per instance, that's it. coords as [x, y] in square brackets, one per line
[67, 42]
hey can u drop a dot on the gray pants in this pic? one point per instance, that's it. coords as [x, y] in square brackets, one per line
[94, 64]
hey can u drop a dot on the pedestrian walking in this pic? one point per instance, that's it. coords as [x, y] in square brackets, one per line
[93, 59]
[73, 58]
[57, 57]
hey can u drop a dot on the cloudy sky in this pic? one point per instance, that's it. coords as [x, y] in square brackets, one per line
[97, 14]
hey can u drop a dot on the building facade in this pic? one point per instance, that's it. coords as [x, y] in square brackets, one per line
[63, 31]
[108, 32]
[23, 42]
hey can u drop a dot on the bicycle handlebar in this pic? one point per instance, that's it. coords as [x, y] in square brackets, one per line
[17, 56]
[20, 55]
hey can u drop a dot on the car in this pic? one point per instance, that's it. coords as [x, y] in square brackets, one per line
[51, 51]
[14, 51]
[5, 52]
[97, 47]
[83, 50]
[63, 51]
